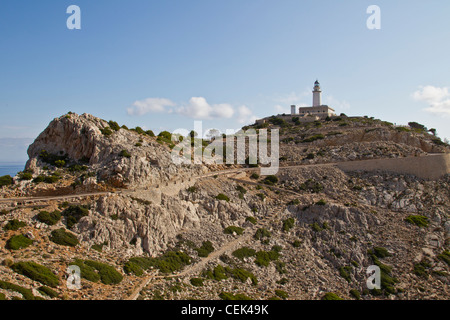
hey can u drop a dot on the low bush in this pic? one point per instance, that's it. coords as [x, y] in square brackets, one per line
[321, 202]
[27, 294]
[445, 256]
[14, 225]
[86, 272]
[124, 154]
[25, 176]
[331, 296]
[223, 197]
[254, 176]
[169, 262]
[205, 249]
[355, 293]
[288, 224]
[48, 292]
[49, 218]
[108, 274]
[263, 258]
[344, 272]
[243, 275]
[64, 238]
[197, 282]
[271, 180]
[74, 213]
[106, 131]
[252, 220]
[36, 272]
[6, 180]
[233, 229]
[282, 294]
[314, 138]
[244, 252]
[418, 220]
[261, 233]
[18, 242]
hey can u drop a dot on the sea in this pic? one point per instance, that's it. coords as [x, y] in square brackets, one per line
[11, 168]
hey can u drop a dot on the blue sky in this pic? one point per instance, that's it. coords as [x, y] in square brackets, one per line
[163, 64]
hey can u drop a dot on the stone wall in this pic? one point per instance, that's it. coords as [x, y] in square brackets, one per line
[430, 167]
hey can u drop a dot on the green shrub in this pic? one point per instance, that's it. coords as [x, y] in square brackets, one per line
[133, 268]
[311, 186]
[294, 202]
[252, 220]
[418, 220]
[296, 243]
[205, 249]
[355, 293]
[48, 292]
[192, 189]
[114, 125]
[316, 228]
[344, 272]
[445, 256]
[288, 224]
[6, 180]
[14, 225]
[49, 218]
[331, 296]
[321, 202]
[282, 294]
[108, 274]
[221, 196]
[26, 293]
[243, 275]
[262, 196]
[64, 238]
[244, 252]
[262, 233]
[18, 242]
[381, 252]
[271, 180]
[36, 272]
[25, 176]
[77, 168]
[150, 133]
[106, 131]
[254, 176]
[169, 262]
[86, 272]
[124, 154]
[233, 229]
[74, 213]
[263, 258]
[241, 189]
[60, 163]
[229, 296]
[197, 282]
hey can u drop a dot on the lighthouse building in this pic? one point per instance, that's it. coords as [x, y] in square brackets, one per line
[317, 109]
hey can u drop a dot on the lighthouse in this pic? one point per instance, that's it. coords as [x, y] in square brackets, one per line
[317, 95]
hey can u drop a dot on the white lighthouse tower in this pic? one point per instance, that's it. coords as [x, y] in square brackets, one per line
[317, 95]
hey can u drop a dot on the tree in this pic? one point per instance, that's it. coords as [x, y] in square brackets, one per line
[433, 131]
[415, 125]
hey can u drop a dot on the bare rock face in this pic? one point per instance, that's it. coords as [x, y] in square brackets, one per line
[80, 138]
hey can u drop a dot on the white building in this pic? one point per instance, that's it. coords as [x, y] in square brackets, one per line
[317, 108]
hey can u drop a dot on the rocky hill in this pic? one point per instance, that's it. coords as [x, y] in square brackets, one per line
[140, 226]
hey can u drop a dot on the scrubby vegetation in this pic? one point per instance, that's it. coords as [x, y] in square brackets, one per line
[14, 225]
[229, 296]
[18, 242]
[223, 197]
[169, 262]
[244, 252]
[64, 238]
[418, 220]
[74, 213]
[288, 224]
[6, 180]
[262, 233]
[233, 229]
[36, 272]
[205, 249]
[331, 296]
[27, 294]
[49, 218]
[48, 292]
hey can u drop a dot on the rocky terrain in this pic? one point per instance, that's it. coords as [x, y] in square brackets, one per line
[149, 229]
